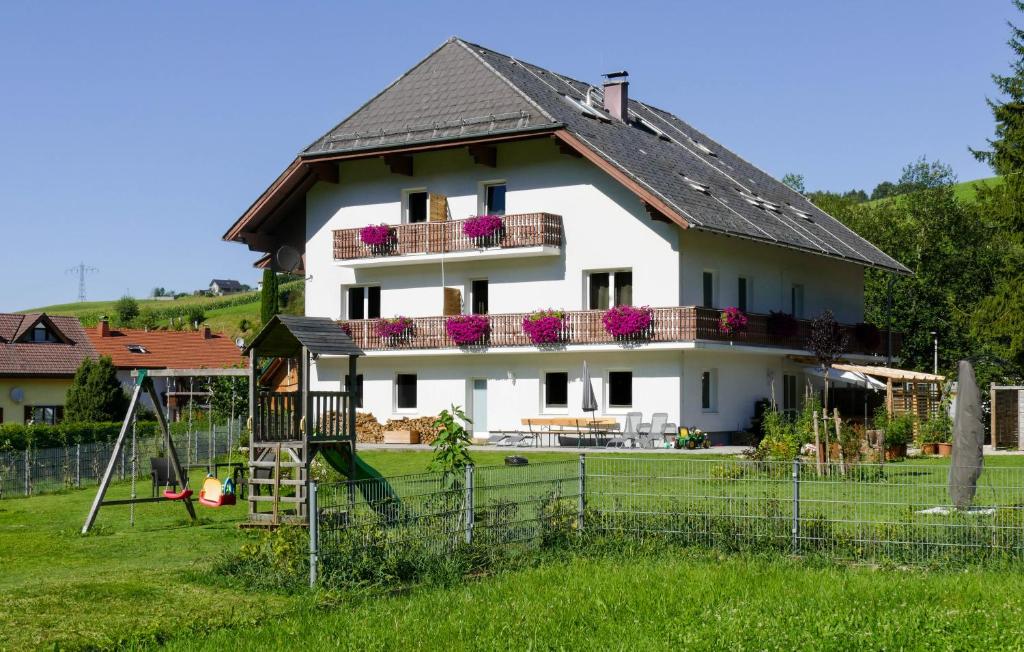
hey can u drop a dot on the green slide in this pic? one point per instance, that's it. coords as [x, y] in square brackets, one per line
[375, 489]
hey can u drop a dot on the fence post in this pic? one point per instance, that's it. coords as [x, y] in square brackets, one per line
[582, 503]
[795, 530]
[313, 514]
[469, 504]
[78, 466]
[28, 474]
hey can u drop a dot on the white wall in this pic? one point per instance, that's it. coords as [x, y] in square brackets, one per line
[605, 227]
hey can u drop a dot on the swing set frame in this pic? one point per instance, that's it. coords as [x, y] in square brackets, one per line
[144, 384]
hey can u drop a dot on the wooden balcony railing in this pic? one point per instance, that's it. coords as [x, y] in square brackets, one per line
[278, 416]
[675, 324]
[522, 230]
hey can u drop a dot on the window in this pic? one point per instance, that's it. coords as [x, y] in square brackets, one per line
[358, 389]
[49, 414]
[416, 206]
[364, 302]
[708, 298]
[789, 405]
[40, 334]
[405, 391]
[494, 199]
[556, 389]
[478, 296]
[606, 289]
[620, 389]
[709, 390]
[137, 348]
[796, 300]
[742, 293]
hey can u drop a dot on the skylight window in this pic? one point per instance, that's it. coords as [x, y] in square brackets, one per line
[587, 110]
[137, 348]
[644, 125]
[702, 147]
[804, 214]
[697, 185]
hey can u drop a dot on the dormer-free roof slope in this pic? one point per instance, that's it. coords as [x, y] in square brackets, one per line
[463, 91]
[60, 359]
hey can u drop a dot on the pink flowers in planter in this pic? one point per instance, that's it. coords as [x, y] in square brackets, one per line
[483, 226]
[628, 322]
[377, 236]
[394, 328]
[467, 329]
[733, 321]
[545, 326]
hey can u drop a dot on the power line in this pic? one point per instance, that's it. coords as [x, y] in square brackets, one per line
[81, 269]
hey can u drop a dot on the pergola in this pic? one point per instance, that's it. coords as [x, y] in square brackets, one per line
[916, 392]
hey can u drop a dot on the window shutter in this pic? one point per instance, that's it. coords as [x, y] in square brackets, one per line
[452, 301]
[438, 209]
[28, 413]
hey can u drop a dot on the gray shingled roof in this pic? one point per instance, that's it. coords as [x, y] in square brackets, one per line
[284, 334]
[463, 89]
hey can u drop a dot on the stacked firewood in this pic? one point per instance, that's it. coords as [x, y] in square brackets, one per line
[369, 430]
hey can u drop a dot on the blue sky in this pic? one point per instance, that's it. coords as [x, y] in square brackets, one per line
[133, 134]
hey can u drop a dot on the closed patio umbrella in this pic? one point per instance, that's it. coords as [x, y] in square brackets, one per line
[968, 439]
[589, 400]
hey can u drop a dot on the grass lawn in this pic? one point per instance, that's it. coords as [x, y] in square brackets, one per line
[151, 583]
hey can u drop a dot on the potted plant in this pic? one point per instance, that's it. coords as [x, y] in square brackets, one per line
[380, 238]
[929, 437]
[484, 230]
[733, 321]
[465, 330]
[394, 330]
[545, 326]
[628, 322]
[899, 432]
[943, 434]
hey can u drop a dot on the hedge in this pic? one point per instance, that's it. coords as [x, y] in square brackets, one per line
[19, 436]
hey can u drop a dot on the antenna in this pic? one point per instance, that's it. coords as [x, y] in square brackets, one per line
[81, 269]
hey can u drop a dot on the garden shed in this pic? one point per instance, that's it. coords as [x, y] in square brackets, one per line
[1007, 416]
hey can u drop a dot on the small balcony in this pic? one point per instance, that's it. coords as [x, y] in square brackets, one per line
[522, 235]
[680, 324]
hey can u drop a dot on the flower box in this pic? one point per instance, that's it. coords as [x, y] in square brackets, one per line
[545, 326]
[395, 329]
[380, 238]
[628, 322]
[732, 321]
[465, 330]
[782, 325]
[484, 230]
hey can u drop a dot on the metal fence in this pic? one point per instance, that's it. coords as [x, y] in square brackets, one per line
[44, 470]
[899, 512]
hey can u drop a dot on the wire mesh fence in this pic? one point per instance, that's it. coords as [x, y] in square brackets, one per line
[43, 470]
[896, 512]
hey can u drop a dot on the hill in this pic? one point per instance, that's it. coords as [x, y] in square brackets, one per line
[965, 191]
[222, 314]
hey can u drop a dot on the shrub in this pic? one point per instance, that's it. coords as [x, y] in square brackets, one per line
[127, 309]
[451, 447]
[733, 321]
[899, 430]
[95, 393]
[780, 440]
[483, 226]
[269, 299]
[628, 322]
[394, 328]
[938, 430]
[467, 329]
[782, 324]
[17, 436]
[545, 326]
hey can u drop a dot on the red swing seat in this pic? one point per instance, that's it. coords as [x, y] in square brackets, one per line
[184, 494]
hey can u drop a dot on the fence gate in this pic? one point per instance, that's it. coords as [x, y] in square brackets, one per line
[1007, 416]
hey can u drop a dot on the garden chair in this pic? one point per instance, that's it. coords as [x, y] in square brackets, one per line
[653, 431]
[162, 474]
[629, 432]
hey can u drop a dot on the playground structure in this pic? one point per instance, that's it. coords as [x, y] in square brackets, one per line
[289, 428]
[144, 385]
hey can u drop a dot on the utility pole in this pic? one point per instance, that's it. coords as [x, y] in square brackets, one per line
[81, 269]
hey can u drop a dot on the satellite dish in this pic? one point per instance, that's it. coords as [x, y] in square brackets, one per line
[17, 394]
[288, 258]
[240, 342]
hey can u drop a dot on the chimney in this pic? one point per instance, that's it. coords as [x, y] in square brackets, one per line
[205, 332]
[616, 95]
[103, 327]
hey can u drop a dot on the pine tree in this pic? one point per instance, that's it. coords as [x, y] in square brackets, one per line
[269, 299]
[95, 393]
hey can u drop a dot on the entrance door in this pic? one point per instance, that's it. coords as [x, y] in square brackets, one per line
[479, 406]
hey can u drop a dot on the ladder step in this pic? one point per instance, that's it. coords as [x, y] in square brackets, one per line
[283, 499]
[272, 481]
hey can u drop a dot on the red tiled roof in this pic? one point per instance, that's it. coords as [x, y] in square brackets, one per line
[42, 358]
[166, 349]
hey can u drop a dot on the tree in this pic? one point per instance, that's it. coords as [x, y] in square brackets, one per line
[95, 393]
[127, 309]
[883, 190]
[828, 341]
[795, 181]
[269, 297]
[148, 318]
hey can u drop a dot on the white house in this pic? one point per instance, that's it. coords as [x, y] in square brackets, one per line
[605, 200]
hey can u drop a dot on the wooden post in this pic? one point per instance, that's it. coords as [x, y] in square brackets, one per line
[839, 440]
[828, 443]
[992, 413]
[277, 482]
[818, 453]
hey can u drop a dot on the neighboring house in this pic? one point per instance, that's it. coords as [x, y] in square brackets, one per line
[605, 200]
[39, 355]
[132, 349]
[220, 287]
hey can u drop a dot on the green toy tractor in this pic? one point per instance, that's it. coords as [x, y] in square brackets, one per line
[692, 438]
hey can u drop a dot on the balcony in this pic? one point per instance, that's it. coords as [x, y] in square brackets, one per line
[681, 324]
[526, 234]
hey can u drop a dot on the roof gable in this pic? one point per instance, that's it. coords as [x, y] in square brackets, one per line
[449, 93]
[42, 359]
[28, 325]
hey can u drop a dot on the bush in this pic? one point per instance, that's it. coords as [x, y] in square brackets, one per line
[780, 440]
[127, 310]
[16, 436]
[95, 393]
[899, 430]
